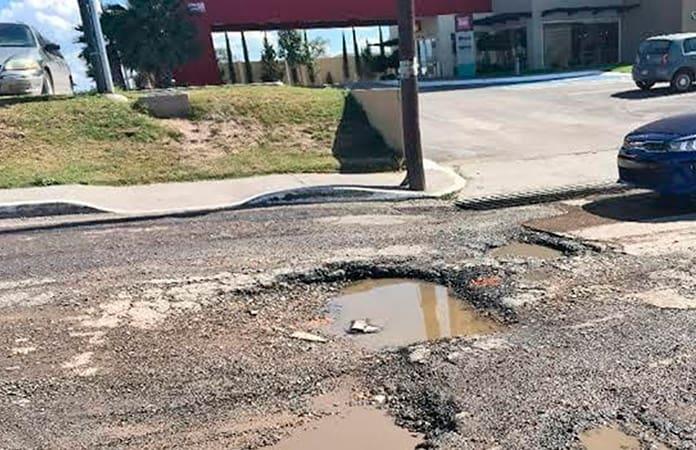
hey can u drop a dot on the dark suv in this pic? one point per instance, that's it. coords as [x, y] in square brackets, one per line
[670, 58]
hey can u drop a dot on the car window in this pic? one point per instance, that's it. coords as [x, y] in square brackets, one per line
[14, 35]
[690, 45]
[655, 47]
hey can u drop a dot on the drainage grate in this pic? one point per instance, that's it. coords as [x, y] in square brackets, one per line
[540, 196]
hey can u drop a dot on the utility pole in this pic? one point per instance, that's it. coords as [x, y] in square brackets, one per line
[95, 38]
[413, 149]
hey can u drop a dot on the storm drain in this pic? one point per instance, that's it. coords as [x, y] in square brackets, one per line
[540, 196]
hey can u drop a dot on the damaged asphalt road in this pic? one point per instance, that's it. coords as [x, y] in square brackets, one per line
[179, 333]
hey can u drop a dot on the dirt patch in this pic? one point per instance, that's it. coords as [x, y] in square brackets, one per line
[608, 438]
[207, 140]
[523, 250]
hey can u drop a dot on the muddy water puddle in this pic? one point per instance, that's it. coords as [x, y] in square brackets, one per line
[405, 312]
[355, 428]
[522, 250]
[608, 438]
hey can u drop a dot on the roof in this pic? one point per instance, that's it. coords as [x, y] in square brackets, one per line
[501, 18]
[592, 9]
[672, 37]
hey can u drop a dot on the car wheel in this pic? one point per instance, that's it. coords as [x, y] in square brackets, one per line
[645, 85]
[682, 81]
[47, 88]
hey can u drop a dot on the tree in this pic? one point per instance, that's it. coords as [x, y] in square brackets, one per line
[153, 37]
[312, 51]
[356, 50]
[230, 59]
[247, 62]
[291, 50]
[346, 63]
[270, 67]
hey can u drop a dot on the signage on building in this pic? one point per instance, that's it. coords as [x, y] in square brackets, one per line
[693, 15]
[465, 46]
[196, 8]
[464, 23]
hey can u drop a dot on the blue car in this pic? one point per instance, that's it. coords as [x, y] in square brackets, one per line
[661, 156]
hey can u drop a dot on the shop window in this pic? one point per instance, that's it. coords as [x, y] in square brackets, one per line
[501, 51]
[577, 44]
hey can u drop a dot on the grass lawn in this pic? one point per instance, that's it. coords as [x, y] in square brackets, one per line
[232, 132]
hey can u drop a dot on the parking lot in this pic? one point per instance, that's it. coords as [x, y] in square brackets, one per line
[529, 136]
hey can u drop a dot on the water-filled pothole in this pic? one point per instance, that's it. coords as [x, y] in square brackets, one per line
[523, 250]
[405, 312]
[357, 427]
[608, 438]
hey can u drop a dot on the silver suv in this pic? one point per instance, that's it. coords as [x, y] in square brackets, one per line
[669, 58]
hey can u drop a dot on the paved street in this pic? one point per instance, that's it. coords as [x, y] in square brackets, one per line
[179, 333]
[540, 135]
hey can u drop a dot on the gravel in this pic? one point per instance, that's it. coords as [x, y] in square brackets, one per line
[179, 333]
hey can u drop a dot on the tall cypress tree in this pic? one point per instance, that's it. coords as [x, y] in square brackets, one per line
[247, 62]
[382, 51]
[270, 67]
[230, 60]
[358, 62]
[346, 64]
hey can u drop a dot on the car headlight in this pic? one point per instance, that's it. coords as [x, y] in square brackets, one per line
[22, 64]
[687, 145]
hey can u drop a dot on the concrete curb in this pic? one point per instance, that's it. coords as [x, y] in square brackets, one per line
[295, 196]
[447, 85]
[535, 197]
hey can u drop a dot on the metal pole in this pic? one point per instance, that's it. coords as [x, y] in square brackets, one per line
[91, 47]
[409, 95]
[100, 45]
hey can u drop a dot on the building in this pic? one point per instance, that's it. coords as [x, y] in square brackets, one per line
[520, 35]
[246, 15]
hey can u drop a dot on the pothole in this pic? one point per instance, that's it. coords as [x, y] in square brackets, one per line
[400, 312]
[524, 250]
[357, 427]
[608, 438]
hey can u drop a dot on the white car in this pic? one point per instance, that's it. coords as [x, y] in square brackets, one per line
[30, 64]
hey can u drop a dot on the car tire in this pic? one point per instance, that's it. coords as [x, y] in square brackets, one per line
[645, 85]
[682, 81]
[47, 88]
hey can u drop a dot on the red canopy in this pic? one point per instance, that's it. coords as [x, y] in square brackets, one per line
[238, 15]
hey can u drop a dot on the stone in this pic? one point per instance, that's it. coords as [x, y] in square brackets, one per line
[308, 337]
[419, 355]
[363, 327]
[379, 399]
[166, 104]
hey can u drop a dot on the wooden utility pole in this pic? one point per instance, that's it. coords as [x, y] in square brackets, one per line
[413, 149]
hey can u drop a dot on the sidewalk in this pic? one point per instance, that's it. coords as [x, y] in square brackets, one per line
[172, 198]
[488, 178]
[437, 85]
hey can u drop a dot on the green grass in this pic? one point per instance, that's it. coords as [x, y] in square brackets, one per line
[254, 130]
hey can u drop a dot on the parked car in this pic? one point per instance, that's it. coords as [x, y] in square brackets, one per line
[661, 156]
[669, 58]
[31, 64]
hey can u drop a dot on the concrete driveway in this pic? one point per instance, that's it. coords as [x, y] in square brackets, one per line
[541, 135]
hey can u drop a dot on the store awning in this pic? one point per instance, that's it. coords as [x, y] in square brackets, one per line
[498, 19]
[592, 9]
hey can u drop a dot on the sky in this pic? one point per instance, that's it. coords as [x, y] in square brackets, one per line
[57, 19]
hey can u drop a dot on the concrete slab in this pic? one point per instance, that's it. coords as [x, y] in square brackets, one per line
[637, 224]
[545, 134]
